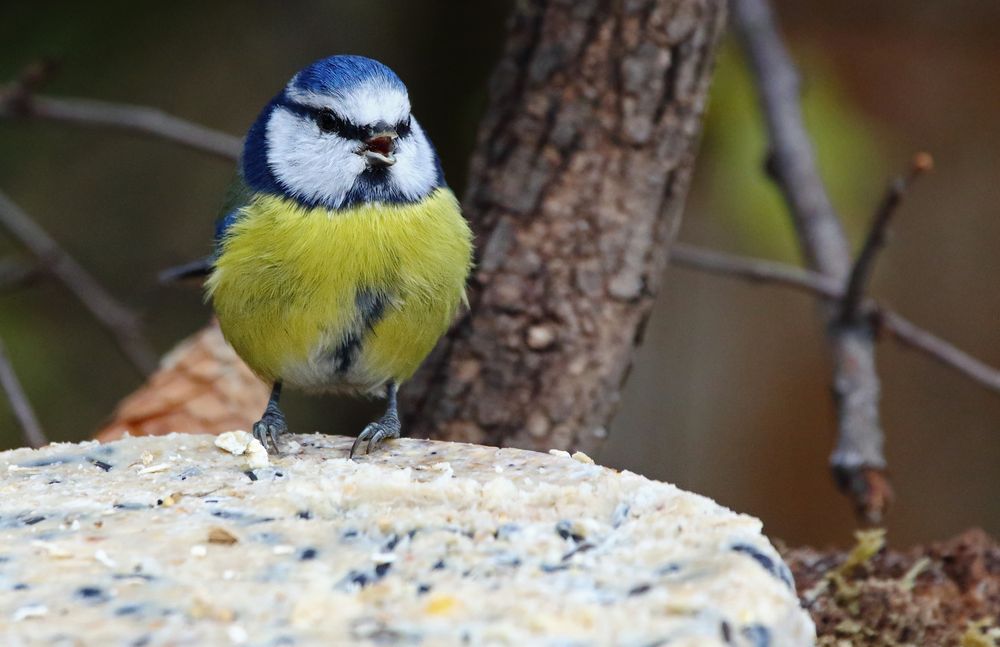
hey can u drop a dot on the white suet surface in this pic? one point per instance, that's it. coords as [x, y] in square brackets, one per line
[423, 542]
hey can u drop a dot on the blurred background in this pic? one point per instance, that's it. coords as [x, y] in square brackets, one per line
[729, 396]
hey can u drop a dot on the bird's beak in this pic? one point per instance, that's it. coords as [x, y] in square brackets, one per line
[379, 149]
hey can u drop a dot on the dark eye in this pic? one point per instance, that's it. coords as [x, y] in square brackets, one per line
[328, 122]
[403, 127]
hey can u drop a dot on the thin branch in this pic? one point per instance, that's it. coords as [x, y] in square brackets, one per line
[121, 322]
[908, 333]
[865, 263]
[886, 320]
[31, 430]
[858, 460]
[19, 100]
[755, 270]
[792, 160]
[139, 119]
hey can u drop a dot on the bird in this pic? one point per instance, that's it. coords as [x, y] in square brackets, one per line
[341, 255]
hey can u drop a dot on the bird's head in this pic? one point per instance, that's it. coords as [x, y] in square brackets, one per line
[341, 134]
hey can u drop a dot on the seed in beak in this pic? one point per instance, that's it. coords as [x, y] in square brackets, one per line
[381, 144]
[378, 149]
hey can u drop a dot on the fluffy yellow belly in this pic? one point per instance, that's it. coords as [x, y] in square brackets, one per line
[330, 300]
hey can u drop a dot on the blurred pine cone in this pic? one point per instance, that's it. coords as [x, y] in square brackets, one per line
[201, 387]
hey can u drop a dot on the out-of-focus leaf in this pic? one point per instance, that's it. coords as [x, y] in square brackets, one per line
[735, 189]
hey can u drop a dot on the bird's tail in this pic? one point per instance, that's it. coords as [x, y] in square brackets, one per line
[198, 269]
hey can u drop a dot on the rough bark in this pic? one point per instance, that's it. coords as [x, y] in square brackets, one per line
[575, 193]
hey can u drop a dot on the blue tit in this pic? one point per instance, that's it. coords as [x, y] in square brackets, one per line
[342, 255]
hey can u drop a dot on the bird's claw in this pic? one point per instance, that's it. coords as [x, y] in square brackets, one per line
[269, 427]
[375, 433]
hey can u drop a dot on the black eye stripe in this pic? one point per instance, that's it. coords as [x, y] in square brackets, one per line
[330, 122]
[403, 127]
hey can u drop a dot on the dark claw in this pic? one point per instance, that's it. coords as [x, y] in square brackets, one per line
[357, 441]
[268, 428]
[387, 427]
[375, 433]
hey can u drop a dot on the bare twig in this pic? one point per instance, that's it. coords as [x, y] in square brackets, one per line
[886, 320]
[19, 100]
[908, 333]
[753, 269]
[792, 161]
[857, 460]
[121, 322]
[31, 430]
[862, 269]
[138, 119]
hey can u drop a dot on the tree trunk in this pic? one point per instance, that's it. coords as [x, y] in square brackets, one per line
[575, 193]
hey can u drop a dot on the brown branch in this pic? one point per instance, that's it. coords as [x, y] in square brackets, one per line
[792, 161]
[865, 263]
[139, 119]
[755, 270]
[116, 318]
[858, 460]
[909, 334]
[885, 320]
[31, 430]
[19, 100]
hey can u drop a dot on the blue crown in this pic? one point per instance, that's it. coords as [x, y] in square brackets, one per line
[336, 74]
[329, 76]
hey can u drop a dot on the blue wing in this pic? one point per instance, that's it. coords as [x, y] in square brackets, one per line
[237, 197]
[222, 225]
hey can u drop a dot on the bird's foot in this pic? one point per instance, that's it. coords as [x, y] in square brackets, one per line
[387, 427]
[271, 425]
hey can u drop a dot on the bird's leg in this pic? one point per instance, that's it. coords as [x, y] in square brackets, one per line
[272, 424]
[387, 426]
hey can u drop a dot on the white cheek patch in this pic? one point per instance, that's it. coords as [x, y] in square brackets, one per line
[414, 174]
[366, 103]
[313, 167]
[323, 168]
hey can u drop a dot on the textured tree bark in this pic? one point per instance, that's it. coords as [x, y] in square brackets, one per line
[575, 193]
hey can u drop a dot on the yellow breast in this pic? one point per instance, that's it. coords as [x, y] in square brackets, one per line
[295, 288]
